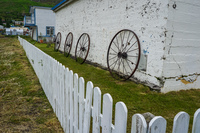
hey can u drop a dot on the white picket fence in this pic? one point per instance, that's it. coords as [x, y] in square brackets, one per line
[66, 93]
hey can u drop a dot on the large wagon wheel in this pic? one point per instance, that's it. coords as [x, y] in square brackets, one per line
[123, 54]
[57, 41]
[82, 48]
[68, 44]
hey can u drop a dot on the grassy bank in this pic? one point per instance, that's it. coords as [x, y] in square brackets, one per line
[23, 104]
[137, 97]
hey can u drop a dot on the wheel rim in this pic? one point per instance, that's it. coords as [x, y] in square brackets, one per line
[57, 42]
[82, 48]
[68, 44]
[123, 54]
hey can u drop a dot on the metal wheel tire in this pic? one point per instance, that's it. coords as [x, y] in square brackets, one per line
[58, 41]
[82, 48]
[123, 54]
[68, 44]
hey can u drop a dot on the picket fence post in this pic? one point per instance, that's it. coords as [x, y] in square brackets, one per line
[181, 123]
[96, 110]
[71, 113]
[120, 118]
[139, 124]
[76, 103]
[196, 122]
[106, 121]
[88, 104]
[157, 125]
[67, 100]
[81, 103]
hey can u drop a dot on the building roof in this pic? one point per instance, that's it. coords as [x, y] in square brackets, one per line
[38, 7]
[61, 5]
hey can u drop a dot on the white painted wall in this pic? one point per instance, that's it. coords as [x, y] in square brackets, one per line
[182, 64]
[103, 19]
[44, 17]
[154, 21]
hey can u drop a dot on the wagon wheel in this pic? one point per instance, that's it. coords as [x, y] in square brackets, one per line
[82, 48]
[68, 44]
[57, 41]
[123, 54]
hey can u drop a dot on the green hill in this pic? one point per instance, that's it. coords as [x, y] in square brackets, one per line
[16, 9]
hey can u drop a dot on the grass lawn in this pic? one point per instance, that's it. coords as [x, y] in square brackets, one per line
[23, 104]
[137, 97]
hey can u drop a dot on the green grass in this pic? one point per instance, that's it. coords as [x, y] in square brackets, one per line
[137, 97]
[23, 104]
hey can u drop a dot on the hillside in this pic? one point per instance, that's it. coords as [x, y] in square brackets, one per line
[16, 9]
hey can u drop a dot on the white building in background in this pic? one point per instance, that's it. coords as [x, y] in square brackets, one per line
[16, 31]
[168, 30]
[41, 22]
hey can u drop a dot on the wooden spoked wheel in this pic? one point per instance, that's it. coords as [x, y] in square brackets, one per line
[68, 44]
[123, 54]
[57, 41]
[82, 48]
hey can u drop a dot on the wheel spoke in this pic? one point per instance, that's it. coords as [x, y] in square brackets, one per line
[112, 54]
[115, 62]
[114, 50]
[131, 61]
[132, 46]
[132, 56]
[131, 50]
[131, 38]
[113, 57]
[116, 45]
[128, 64]
[124, 68]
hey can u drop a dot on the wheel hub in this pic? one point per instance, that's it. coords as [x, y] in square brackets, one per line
[83, 49]
[122, 55]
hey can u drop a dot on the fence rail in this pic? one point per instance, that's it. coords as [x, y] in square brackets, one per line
[75, 105]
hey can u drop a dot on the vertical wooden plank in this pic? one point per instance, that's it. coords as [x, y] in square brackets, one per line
[71, 102]
[120, 118]
[59, 89]
[96, 110]
[81, 103]
[67, 100]
[139, 124]
[157, 125]
[106, 121]
[76, 103]
[181, 123]
[196, 122]
[54, 85]
[62, 95]
[88, 104]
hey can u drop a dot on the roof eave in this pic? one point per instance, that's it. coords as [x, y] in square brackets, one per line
[61, 5]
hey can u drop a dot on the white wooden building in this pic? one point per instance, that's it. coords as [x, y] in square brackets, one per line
[41, 22]
[168, 31]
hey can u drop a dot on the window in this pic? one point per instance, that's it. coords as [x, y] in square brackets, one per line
[50, 31]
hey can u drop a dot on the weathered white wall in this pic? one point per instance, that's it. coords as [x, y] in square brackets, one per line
[102, 19]
[168, 31]
[182, 59]
[44, 17]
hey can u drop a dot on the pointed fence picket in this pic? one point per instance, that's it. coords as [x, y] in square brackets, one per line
[75, 106]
